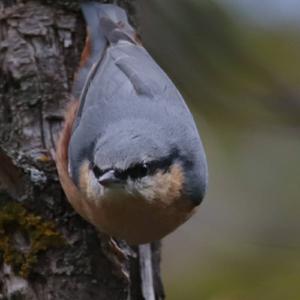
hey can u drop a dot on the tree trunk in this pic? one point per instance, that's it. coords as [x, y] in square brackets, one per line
[46, 250]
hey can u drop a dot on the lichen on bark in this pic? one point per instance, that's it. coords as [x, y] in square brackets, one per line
[23, 236]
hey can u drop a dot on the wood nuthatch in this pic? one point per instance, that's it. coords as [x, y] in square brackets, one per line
[129, 158]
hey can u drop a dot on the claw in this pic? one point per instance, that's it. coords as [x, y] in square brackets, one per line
[117, 256]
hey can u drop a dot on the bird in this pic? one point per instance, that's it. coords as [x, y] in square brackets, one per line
[129, 157]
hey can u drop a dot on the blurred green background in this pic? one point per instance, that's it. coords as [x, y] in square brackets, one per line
[237, 62]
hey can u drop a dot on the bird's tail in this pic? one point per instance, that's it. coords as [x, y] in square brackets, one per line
[106, 24]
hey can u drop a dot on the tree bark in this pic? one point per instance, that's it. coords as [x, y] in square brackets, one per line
[46, 250]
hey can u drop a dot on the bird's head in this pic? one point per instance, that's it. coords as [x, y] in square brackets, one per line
[137, 165]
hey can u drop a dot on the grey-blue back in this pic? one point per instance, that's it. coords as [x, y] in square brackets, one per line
[130, 97]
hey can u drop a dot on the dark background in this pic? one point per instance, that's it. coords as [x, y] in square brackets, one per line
[237, 64]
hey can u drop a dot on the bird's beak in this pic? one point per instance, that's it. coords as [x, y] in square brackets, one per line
[108, 178]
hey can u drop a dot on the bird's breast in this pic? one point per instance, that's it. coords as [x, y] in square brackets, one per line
[138, 217]
[136, 220]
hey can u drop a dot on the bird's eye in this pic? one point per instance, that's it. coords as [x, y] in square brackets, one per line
[138, 171]
[97, 171]
[121, 174]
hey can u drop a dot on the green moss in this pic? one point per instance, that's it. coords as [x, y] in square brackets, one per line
[36, 234]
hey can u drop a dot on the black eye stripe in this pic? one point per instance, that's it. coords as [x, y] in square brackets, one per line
[121, 174]
[140, 170]
[161, 165]
[97, 171]
[137, 171]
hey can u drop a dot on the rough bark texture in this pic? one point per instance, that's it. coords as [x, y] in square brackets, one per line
[46, 250]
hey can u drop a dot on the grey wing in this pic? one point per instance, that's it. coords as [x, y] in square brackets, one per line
[128, 84]
[106, 25]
